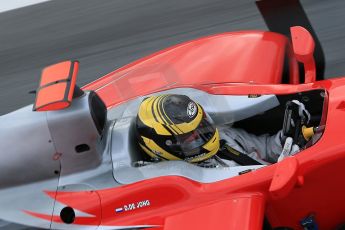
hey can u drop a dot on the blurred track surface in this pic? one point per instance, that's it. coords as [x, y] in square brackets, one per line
[106, 34]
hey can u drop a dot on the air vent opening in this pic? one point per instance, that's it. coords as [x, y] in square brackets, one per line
[82, 148]
[67, 215]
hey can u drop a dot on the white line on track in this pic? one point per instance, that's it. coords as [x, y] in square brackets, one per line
[6, 5]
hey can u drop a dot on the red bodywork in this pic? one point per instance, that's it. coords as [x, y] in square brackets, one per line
[252, 62]
[241, 57]
[243, 200]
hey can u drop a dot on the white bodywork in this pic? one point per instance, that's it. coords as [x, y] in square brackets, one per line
[107, 164]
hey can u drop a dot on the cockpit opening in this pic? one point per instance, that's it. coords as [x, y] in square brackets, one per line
[200, 136]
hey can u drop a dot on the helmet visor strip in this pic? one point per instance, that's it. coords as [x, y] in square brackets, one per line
[197, 138]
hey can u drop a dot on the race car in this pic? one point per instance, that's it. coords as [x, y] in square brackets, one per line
[70, 160]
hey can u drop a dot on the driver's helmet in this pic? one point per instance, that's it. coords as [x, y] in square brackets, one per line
[174, 127]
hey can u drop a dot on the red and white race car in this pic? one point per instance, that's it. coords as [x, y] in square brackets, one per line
[68, 161]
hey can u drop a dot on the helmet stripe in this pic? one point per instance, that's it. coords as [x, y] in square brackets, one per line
[212, 146]
[171, 124]
[155, 107]
[148, 117]
[167, 120]
[152, 109]
[151, 154]
[188, 127]
[156, 148]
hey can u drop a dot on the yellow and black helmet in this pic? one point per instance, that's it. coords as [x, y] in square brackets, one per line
[174, 127]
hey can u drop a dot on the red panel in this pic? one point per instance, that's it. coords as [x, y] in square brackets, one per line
[56, 86]
[322, 193]
[284, 178]
[249, 56]
[293, 66]
[303, 43]
[303, 46]
[56, 72]
[243, 211]
[51, 97]
[55, 106]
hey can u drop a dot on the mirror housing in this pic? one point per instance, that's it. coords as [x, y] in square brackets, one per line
[285, 178]
[303, 46]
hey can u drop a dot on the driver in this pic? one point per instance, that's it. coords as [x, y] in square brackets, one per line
[174, 127]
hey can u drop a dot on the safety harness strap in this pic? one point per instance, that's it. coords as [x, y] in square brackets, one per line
[228, 153]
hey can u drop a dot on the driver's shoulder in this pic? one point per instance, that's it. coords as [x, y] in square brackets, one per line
[228, 131]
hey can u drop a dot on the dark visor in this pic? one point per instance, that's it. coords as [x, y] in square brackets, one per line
[197, 138]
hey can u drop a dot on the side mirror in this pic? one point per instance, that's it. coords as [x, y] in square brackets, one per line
[285, 178]
[303, 46]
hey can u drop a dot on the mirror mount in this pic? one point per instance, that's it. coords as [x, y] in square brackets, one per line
[303, 46]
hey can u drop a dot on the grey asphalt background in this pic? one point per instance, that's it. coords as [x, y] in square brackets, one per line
[106, 34]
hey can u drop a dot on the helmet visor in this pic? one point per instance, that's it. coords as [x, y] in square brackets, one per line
[197, 138]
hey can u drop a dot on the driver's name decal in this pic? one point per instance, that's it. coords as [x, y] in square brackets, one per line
[133, 206]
